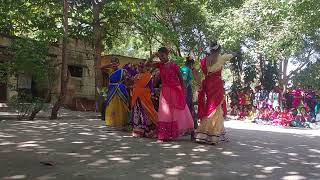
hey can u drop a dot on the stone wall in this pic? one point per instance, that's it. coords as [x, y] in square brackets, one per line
[80, 89]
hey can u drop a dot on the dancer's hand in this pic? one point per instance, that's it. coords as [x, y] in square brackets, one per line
[154, 55]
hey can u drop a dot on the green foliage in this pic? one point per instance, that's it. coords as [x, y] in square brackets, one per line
[250, 74]
[28, 57]
[178, 59]
[270, 76]
[34, 19]
[180, 24]
[271, 30]
[31, 58]
[309, 77]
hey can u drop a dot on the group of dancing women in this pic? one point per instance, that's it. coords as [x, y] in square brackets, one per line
[175, 116]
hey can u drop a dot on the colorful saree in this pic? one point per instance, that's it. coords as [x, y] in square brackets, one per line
[210, 101]
[297, 98]
[116, 103]
[174, 116]
[144, 116]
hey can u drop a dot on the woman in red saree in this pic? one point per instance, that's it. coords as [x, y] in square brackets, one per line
[144, 116]
[211, 97]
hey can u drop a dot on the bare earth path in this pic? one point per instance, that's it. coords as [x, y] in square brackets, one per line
[86, 149]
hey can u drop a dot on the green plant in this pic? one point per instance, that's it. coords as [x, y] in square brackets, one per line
[178, 59]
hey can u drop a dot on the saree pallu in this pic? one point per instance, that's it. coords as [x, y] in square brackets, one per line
[116, 103]
[144, 116]
[211, 97]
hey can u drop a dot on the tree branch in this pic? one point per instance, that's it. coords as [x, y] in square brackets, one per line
[159, 41]
[302, 65]
[298, 69]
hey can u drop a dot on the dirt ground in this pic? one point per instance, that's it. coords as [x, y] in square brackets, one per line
[84, 148]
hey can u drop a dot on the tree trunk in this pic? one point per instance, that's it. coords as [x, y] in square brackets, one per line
[285, 74]
[179, 50]
[97, 45]
[150, 46]
[174, 27]
[261, 65]
[280, 73]
[64, 67]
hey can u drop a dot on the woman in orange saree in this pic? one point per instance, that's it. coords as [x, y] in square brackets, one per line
[144, 116]
[211, 97]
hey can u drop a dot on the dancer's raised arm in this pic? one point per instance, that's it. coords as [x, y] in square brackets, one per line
[150, 63]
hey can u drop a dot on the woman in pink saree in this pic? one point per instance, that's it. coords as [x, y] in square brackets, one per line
[174, 117]
[211, 97]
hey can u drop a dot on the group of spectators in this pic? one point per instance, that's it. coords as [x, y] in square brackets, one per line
[296, 107]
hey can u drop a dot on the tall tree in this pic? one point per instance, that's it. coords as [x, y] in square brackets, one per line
[64, 63]
[99, 22]
[180, 24]
[267, 30]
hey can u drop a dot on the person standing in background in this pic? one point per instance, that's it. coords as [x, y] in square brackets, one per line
[187, 76]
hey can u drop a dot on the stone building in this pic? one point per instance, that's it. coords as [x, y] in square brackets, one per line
[81, 85]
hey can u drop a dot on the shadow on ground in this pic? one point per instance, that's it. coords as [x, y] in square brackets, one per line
[86, 149]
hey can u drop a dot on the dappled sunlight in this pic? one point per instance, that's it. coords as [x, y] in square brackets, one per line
[234, 124]
[229, 153]
[175, 170]
[202, 163]
[15, 177]
[295, 177]
[98, 162]
[201, 149]
[88, 147]
[157, 176]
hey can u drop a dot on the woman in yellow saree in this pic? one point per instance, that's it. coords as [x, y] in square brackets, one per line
[116, 104]
[144, 116]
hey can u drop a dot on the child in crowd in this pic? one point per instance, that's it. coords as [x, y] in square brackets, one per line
[260, 116]
[285, 118]
[267, 116]
[302, 119]
[316, 124]
[318, 115]
[234, 110]
[243, 112]
[275, 114]
[252, 114]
